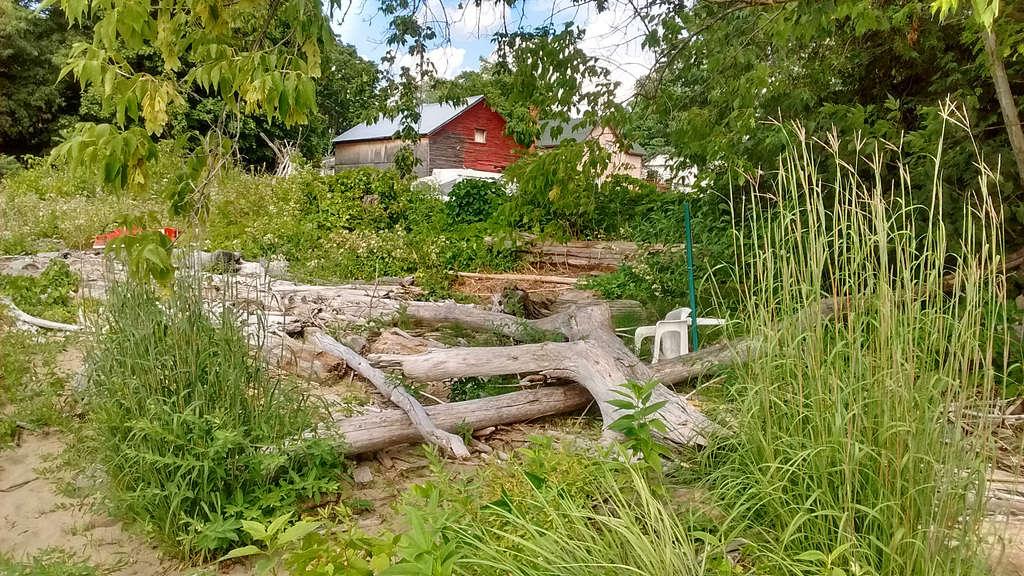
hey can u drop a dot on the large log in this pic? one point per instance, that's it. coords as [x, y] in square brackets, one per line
[30, 320]
[396, 393]
[594, 357]
[741, 350]
[393, 427]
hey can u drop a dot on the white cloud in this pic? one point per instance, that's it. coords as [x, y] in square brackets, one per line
[615, 38]
[447, 61]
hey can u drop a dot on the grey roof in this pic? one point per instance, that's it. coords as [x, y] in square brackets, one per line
[582, 132]
[432, 117]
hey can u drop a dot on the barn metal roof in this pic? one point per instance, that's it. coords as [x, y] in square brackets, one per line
[432, 117]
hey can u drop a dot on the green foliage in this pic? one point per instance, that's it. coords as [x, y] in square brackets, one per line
[848, 71]
[339, 204]
[29, 384]
[638, 424]
[232, 53]
[554, 511]
[556, 192]
[50, 562]
[307, 548]
[43, 204]
[474, 201]
[194, 433]
[146, 256]
[34, 105]
[49, 296]
[474, 388]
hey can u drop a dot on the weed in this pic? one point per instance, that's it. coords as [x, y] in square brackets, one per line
[48, 296]
[638, 424]
[49, 562]
[193, 432]
[30, 388]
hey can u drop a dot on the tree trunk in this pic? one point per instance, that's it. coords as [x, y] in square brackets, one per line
[1007, 104]
[594, 357]
[393, 427]
[396, 393]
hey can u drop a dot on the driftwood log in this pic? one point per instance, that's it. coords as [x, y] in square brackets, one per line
[30, 320]
[593, 356]
[394, 392]
[393, 427]
[739, 351]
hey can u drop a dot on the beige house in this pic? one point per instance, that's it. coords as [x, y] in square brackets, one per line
[624, 161]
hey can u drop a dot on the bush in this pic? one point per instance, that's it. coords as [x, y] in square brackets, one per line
[192, 431]
[473, 201]
[49, 296]
[53, 203]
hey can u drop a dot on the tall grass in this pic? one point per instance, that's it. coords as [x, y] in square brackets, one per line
[849, 454]
[188, 423]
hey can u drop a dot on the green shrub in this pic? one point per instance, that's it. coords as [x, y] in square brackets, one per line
[49, 296]
[474, 201]
[53, 203]
[193, 432]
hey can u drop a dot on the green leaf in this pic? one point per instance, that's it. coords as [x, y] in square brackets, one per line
[240, 553]
[297, 531]
[812, 556]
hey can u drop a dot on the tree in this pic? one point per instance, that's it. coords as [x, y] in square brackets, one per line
[218, 49]
[348, 92]
[33, 106]
[875, 72]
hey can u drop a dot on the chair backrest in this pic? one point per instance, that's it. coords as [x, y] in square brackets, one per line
[678, 314]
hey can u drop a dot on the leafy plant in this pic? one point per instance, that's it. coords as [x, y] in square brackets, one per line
[276, 537]
[473, 201]
[638, 423]
[49, 296]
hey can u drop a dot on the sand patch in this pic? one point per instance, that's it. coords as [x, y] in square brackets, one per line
[33, 516]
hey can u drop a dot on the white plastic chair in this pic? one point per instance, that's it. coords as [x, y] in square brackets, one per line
[671, 335]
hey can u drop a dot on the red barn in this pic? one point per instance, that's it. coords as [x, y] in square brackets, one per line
[470, 136]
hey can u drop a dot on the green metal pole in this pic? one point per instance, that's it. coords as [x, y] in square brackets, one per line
[689, 267]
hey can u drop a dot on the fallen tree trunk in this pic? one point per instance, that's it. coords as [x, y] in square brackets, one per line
[24, 318]
[396, 393]
[594, 357]
[741, 350]
[518, 278]
[393, 427]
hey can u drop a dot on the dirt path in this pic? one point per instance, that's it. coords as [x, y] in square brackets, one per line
[33, 516]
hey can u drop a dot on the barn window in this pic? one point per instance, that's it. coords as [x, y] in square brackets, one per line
[480, 135]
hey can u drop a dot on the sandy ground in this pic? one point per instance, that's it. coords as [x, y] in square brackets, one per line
[34, 516]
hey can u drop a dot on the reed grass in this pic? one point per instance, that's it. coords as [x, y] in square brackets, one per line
[849, 453]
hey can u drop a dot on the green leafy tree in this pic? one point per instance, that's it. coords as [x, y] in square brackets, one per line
[218, 49]
[33, 105]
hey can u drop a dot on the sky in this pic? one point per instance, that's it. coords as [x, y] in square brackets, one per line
[612, 36]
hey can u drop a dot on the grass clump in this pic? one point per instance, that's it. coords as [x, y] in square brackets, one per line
[850, 456]
[554, 510]
[49, 562]
[192, 430]
[29, 384]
